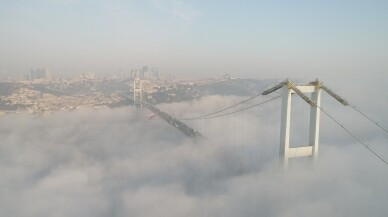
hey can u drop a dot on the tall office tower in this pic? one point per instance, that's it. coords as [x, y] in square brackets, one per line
[32, 75]
[145, 69]
[155, 73]
[133, 74]
[141, 73]
[46, 74]
[40, 74]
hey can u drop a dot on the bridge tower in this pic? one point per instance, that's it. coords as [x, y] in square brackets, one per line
[137, 92]
[314, 88]
[311, 149]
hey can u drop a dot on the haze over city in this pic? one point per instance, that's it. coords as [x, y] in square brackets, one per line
[261, 39]
[193, 108]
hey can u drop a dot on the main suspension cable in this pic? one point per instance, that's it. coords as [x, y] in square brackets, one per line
[264, 93]
[240, 110]
[353, 135]
[221, 110]
[369, 118]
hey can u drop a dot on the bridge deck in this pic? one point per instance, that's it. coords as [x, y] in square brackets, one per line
[184, 128]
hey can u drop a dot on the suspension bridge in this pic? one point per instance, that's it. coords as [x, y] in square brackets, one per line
[247, 122]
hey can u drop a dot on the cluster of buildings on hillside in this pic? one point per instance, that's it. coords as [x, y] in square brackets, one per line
[35, 101]
[41, 93]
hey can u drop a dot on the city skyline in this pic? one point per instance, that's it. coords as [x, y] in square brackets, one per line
[259, 39]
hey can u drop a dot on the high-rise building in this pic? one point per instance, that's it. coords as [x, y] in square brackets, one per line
[145, 69]
[155, 73]
[40, 74]
[145, 72]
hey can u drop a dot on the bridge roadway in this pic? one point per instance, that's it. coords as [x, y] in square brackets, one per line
[184, 128]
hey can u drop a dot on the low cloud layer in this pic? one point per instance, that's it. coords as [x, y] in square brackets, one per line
[116, 162]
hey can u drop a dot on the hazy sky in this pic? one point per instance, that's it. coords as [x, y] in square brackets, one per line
[249, 38]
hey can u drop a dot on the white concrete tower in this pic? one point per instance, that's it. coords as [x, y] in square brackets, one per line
[137, 92]
[314, 102]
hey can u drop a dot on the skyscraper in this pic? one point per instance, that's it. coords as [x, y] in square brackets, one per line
[40, 74]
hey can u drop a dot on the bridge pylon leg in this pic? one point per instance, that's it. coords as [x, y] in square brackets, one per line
[286, 152]
[137, 93]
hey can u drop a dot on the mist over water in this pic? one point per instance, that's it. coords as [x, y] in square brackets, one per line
[116, 162]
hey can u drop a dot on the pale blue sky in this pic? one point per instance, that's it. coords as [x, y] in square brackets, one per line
[248, 38]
